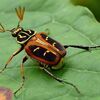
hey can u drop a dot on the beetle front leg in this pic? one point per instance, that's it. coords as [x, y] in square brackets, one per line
[9, 60]
[60, 80]
[82, 47]
[22, 74]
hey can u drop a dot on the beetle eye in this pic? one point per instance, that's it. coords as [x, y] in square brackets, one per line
[14, 34]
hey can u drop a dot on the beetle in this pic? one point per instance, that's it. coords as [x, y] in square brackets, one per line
[47, 51]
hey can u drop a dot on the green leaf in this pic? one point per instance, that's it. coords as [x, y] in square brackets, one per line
[67, 24]
[93, 5]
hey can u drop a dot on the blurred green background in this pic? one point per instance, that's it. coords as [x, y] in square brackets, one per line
[93, 5]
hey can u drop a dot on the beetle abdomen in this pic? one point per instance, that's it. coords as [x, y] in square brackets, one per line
[42, 53]
[44, 50]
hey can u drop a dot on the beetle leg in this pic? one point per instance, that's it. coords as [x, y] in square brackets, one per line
[9, 60]
[60, 80]
[22, 74]
[82, 47]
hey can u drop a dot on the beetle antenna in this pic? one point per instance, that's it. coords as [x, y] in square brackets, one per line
[20, 13]
[2, 28]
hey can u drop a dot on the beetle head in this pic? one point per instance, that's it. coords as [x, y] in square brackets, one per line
[16, 31]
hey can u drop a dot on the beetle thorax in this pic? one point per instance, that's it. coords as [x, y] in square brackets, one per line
[22, 36]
